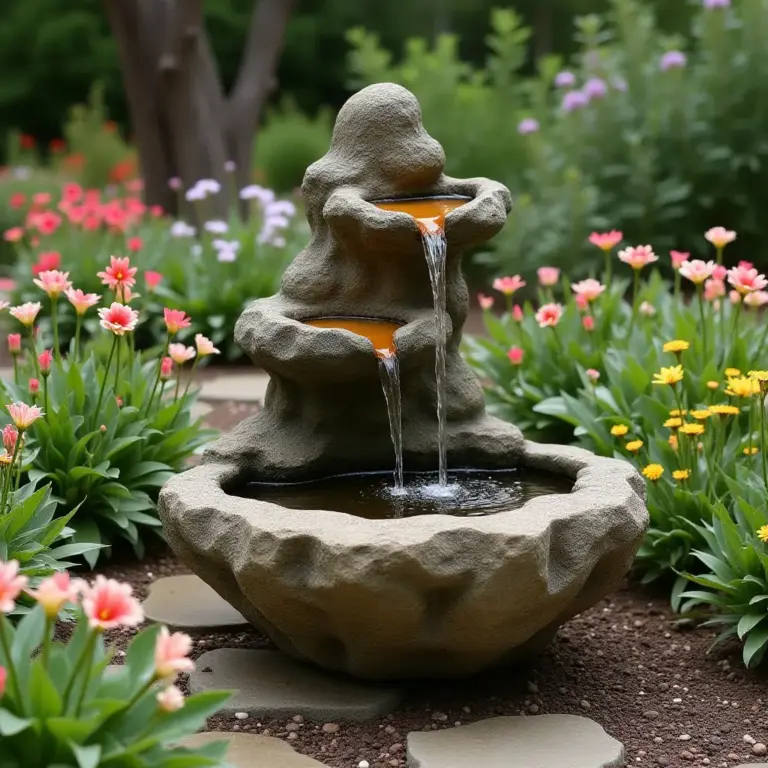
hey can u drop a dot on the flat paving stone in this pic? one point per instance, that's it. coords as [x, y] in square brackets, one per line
[246, 750]
[243, 387]
[543, 741]
[269, 684]
[186, 602]
[200, 409]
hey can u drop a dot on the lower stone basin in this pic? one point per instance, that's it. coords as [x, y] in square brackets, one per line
[425, 596]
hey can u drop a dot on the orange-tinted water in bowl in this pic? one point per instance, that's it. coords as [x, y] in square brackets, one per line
[381, 333]
[429, 212]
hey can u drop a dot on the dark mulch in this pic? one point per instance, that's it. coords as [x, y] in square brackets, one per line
[623, 663]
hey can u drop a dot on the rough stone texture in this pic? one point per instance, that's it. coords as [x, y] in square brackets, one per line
[545, 741]
[188, 603]
[419, 597]
[269, 684]
[247, 750]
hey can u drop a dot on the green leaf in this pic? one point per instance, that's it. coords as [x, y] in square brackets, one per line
[10, 725]
[748, 622]
[46, 701]
[87, 757]
[754, 647]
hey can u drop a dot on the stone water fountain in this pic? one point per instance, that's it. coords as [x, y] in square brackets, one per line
[437, 590]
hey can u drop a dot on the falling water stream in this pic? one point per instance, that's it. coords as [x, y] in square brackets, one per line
[389, 370]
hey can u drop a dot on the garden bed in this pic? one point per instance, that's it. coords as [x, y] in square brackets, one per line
[624, 663]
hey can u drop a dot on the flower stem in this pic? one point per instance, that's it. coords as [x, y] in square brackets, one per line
[178, 382]
[118, 340]
[11, 668]
[85, 654]
[45, 394]
[8, 480]
[735, 330]
[608, 270]
[700, 295]
[104, 380]
[635, 284]
[763, 457]
[55, 323]
[16, 370]
[157, 375]
[759, 346]
[78, 324]
[34, 350]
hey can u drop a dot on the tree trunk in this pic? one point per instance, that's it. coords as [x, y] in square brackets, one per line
[184, 124]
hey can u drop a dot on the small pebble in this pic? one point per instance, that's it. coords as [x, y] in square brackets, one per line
[584, 704]
[684, 737]
[748, 739]
[363, 764]
[331, 728]
[241, 715]
[298, 718]
[759, 749]
[650, 714]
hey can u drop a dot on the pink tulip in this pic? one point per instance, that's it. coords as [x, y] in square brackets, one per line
[756, 299]
[516, 355]
[697, 271]
[589, 289]
[11, 584]
[34, 387]
[53, 282]
[152, 279]
[170, 699]
[10, 436]
[581, 302]
[746, 280]
[14, 343]
[118, 318]
[508, 285]
[678, 257]
[82, 301]
[485, 302]
[714, 289]
[720, 272]
[171, 651]
[26, 313]
[548, 276]
[23, 415]
[175, 320]
[205, 346]
[108, 604]
[135, 244]
[592, 374]
[588, 322]
[180, 353]
[517, 313]
[720, 237]
[638, 257]
[549, 315]
[44, 359]
[54, 592]
[605, 241]
[735, 297]
[166, 368]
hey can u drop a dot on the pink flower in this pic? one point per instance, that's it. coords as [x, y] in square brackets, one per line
[170, 699]
[14, 343]
[697, 271]
[720, 272]
[485, 302]
[548, 276]
[152, 279]
[746, 280]
[45, 358]
[581, 302]
[714, 289]
[175, 320]
[746, 264]
[71, 192]
[10, 436]
[549, 315]
[171, 651]
[23, 415]
[46, 262]
[508, 285]
[3, 677]
[108, 604]
[41, 198]
[592, 374]
[26, 313]
[53, 282]
[118, 318]
[34, 387]
[82, 301]
[180, 354]
[756, 299]
[588, 322]
[678, 257]
[11, 584]
[205, 346]
[13, 235]
[135, 244]
[517, 313]
[53, 592]
[128, 295]
[166, 368]
[118, 274]
[647, 309]
[720, 236]
[735, 297]
[605, 241]
[589, 289]
[638, 257]
[47, 222]
[516, 355]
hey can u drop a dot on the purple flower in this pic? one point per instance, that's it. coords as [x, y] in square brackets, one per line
[619, 83]
[717, 3]
[230, 166]
[565, 79]
[280, 208]
[175, 183]
[595, 88]
[226, 250]
[672, 60]
[528, 125]
[216, 226]
[574, 100]
[255, 192]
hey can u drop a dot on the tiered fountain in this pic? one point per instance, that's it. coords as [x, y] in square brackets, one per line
[294, 517]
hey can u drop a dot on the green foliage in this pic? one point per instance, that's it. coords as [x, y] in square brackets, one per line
[64, 706]
[658, 155]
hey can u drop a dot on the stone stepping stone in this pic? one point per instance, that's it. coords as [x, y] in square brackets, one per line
[543, 741]
[186, 602]
[242, 387]
[269, 684]
[246, 750]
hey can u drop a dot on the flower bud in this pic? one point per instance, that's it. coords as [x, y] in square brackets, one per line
[14, 343]
[34, 386]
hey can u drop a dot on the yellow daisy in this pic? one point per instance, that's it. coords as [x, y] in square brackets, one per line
[692, 429]
[671, 375]
[653, 472]
[762, 533]
[743, 386]
[725, 410]
[731, 372]
[681, 475]
[673, 423]
[619, 430]
[677, 346]
[677, 412]
[634, 446]
[705, 413]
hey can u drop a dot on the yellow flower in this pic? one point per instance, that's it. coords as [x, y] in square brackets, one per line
[671, 375]
[6, 458]
[759, 375]
[692, 429]
[677, 412]
[673, 423]
[750, 451]
[762, 533]
[743, 386]
[681, 474]
[653, 472]
[731, 372]
[619, 430]
[702, 414]
[725, 410]
[634, 446]
[676, 346]
[673, 442]
[713, 385]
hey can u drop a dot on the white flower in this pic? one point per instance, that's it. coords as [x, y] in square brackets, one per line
[209, 186]
[280, 208]
[195, 192]
[226, 250]
[182, 229]
[255, 192]
[217, 227]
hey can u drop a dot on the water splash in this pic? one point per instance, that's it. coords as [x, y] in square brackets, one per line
[389, 370]
[435, 248]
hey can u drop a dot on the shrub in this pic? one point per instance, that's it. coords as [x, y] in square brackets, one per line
[116, 427]
[655, 134]
[213, 273]
[60, 702]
